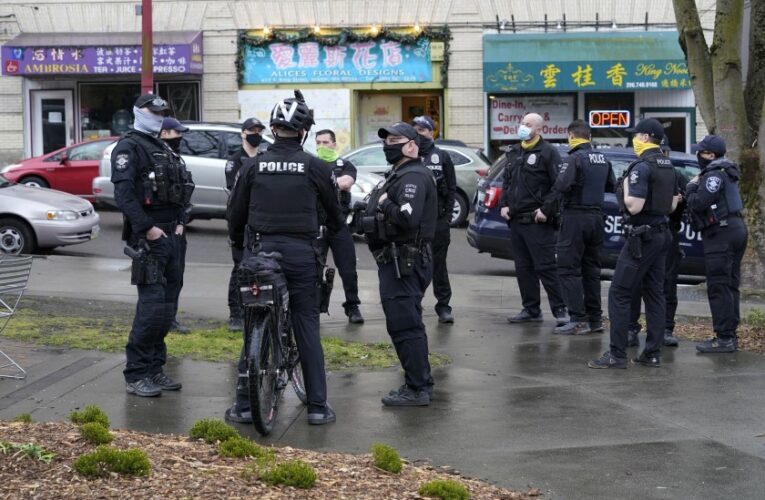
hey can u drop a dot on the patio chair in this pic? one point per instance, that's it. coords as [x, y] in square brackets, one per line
[14, 274]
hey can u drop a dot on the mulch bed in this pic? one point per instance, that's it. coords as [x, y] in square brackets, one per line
[750, 338]
[186, 468]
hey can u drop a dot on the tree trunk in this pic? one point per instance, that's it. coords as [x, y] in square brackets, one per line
[699, 61]
[730, 110]
[755, 80]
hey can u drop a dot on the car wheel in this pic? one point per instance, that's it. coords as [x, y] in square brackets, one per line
[461, 210]
[34, 181]
[16, 237]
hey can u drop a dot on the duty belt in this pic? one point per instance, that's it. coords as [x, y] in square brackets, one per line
[523, 217]
[631, 230]
[387, 253]
[167, 227]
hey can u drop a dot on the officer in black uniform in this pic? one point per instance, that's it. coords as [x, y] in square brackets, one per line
[172, 133]
[153, 190]
[252, 138]
[715, 207]
[341, 243]
[532, 209]
[646, 195]
[399, 224]
[671, 272]
[440, 163]
[274, 206]
[583, 179]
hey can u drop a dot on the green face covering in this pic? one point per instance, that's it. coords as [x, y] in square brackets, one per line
[326, 154]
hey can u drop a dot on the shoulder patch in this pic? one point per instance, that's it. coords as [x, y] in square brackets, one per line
[229, 166]
[532, 159]
[340, 162]
[713, 183]
[406, 207]
[634, 177]
[563, 167]
[121, 161]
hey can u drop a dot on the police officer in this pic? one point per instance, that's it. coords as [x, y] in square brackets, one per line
[399, 223]
[583, 179]
[646, 195]
[440, 163]
[252, 138]
[274, 206]
[172, 133]
[153, 190]
[341, 242]
[531, 209]
[715, 205]
[671, 272]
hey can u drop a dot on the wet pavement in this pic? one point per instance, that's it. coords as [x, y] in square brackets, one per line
[517, 406]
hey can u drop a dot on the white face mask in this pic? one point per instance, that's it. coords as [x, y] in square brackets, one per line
[524, 132]
[147, 122]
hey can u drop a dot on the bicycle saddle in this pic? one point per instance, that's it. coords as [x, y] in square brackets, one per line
[271, 255]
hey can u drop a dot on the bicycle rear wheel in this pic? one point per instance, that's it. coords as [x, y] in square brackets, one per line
[263, 368]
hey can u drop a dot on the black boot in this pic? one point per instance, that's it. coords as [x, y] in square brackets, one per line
[354, 315]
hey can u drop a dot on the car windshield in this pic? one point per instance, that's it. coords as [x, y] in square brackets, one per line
[4, 182]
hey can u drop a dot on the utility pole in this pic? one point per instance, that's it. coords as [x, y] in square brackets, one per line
[147, 45]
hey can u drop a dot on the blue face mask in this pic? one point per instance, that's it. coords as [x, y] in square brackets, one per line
[524, 132]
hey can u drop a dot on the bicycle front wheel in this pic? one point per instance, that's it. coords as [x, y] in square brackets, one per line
[263, 367]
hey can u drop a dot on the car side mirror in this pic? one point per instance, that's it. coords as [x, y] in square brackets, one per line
[63, 157]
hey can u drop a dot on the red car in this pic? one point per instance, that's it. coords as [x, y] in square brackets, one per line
[70, 169]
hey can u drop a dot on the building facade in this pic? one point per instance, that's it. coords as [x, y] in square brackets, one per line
[70, 71]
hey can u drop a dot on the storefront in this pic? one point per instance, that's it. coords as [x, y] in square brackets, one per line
[609, 79]
[80, 86]
[355, 80]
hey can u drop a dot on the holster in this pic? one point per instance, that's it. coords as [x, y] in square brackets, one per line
[325, 289]
[146, 271]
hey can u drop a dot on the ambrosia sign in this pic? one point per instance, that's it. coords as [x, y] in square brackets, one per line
[311, 62]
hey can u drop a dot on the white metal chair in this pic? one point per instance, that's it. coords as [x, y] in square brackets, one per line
[14, 274]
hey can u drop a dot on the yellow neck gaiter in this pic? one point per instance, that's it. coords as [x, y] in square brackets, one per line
[641, 147]
[576, 142]
[530, 144]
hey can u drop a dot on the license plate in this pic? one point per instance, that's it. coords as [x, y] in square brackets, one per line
[94, 232]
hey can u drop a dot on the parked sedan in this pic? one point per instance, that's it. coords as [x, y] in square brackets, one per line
[71, 169]
[33, 218]
[489, 232]
[370, 158]
[205, 149]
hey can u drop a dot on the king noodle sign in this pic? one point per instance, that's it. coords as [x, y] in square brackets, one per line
[310, 62]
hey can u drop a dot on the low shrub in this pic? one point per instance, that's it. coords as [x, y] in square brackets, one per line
[104, 460]
[95, 433]
[295, 473]
[445, 489]
[90, 414]
[25, 418]
[386, 458]
[239, 447]
[756, 318]
[212, 430]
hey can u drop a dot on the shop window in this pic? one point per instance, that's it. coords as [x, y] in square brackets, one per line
[610, 101]
[107, 109]
[200, 143]
[183, 99]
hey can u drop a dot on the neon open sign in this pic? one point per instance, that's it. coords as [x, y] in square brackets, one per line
[609, 119]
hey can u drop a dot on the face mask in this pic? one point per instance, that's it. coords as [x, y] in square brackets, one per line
[575, 142]
[174, 143]
[394, 152]
[254, 140]
[424, 143]
[641, 147]
[326, 154]
[147, 122]
[524, 133]
[703, 162]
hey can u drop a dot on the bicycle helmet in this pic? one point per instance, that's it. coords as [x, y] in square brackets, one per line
[292, 113]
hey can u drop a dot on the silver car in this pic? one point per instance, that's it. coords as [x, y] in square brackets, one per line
[205, 148]
[371, 159]
[33, 218]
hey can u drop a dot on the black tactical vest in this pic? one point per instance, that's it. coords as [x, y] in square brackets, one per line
[164, 178]
[592, 171]
[661, 185]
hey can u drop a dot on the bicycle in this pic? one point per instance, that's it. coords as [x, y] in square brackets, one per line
[273, 359]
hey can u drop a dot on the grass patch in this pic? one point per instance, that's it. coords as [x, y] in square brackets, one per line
[24, 418]
[104, 460]
[386, 458]
[212, 430]
[755, 318]
[295, 473]
[29, 450]
[95, 433]
[445, 489]
[239, 447]
[97, 325]
[90, 414]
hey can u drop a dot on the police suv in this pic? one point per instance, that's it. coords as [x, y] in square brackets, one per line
[488, 231]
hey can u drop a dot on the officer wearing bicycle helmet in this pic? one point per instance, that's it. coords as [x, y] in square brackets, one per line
[274, 206]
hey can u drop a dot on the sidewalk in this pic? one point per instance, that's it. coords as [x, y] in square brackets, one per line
[517, 406]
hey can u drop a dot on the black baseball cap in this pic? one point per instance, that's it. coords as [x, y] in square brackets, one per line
[424, 122]
[171, 123]
[252, 123]
[650, 126]
[713, 143]
[153, 102]
[399, 128]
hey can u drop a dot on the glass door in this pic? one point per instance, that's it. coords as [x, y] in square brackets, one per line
[52, 120]
[677, 127]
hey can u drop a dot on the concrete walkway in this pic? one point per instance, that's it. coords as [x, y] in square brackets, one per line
[517, 406]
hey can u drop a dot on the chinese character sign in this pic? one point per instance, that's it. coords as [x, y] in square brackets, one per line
[101, 60]
[310, 62]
